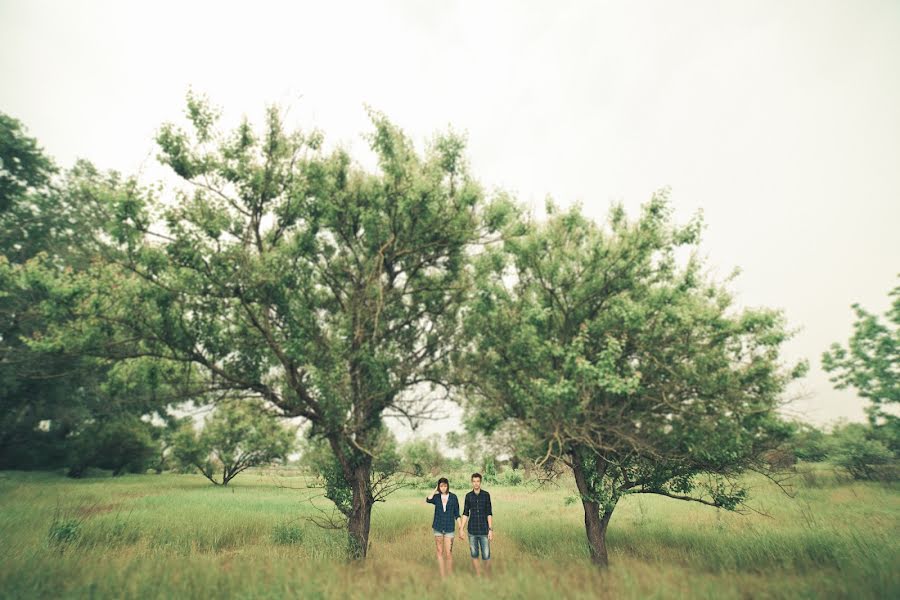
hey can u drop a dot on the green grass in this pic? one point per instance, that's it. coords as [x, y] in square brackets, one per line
[149, 536]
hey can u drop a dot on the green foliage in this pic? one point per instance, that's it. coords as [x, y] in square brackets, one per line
[319, 459]
[65, 529]
[489, 472]
[421, 456]
[507, 441]
[863, 451]
[287, 534]
[623, 360]
[512, 477]
[852, 448]
[808, 443]
[122, 444]
[24, 168]
[869, 363]
[64, 532]
[240, 434]
[888, 433]
[51, 223]
[288, 273]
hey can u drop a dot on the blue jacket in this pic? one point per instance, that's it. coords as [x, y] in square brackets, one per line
[444, 520]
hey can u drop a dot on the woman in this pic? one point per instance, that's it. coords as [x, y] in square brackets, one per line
[446, 516]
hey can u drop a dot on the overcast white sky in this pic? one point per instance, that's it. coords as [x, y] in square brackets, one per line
[780, 120]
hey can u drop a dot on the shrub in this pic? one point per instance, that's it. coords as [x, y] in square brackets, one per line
[512, 477]
[809, 443]
[851, 449]
[780, 458]
[122, 444]
[490, 471]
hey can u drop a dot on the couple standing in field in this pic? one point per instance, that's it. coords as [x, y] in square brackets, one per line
[476, 523]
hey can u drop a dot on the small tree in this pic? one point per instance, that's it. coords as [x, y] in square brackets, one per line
[239, 435]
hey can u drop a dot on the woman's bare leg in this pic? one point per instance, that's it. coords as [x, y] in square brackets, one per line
[448, 554]
[439, 546]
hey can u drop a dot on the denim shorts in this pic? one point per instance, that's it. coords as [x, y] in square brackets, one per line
[480, 542]
[437, 533]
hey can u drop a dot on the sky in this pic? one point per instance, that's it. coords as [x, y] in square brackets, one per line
[779, 120]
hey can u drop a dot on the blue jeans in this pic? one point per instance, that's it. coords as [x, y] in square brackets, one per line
[479, 542]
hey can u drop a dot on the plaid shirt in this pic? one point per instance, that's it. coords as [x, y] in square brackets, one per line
[444, 520]
[477, 507]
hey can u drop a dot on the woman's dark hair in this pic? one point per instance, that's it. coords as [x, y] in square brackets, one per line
[443, 480]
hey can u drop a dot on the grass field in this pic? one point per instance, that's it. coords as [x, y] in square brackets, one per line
[178, 536]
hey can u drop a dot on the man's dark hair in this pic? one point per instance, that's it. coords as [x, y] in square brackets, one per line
[474, 475]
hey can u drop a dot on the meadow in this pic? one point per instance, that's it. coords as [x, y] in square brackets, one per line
[178, 536]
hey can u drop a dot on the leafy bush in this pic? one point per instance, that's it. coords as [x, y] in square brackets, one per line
[122, 444]
[852, 449]
[809, 443]
[887, 433]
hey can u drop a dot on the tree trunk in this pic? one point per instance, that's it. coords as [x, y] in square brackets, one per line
[594, 524]
[361, 514]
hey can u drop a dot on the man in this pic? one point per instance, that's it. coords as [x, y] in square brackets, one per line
[479, 517]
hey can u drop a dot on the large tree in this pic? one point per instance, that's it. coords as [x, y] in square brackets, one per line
[625, 363]
[47, 396]
[288, 273]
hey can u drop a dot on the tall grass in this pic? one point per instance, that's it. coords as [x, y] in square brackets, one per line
[167, 536]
